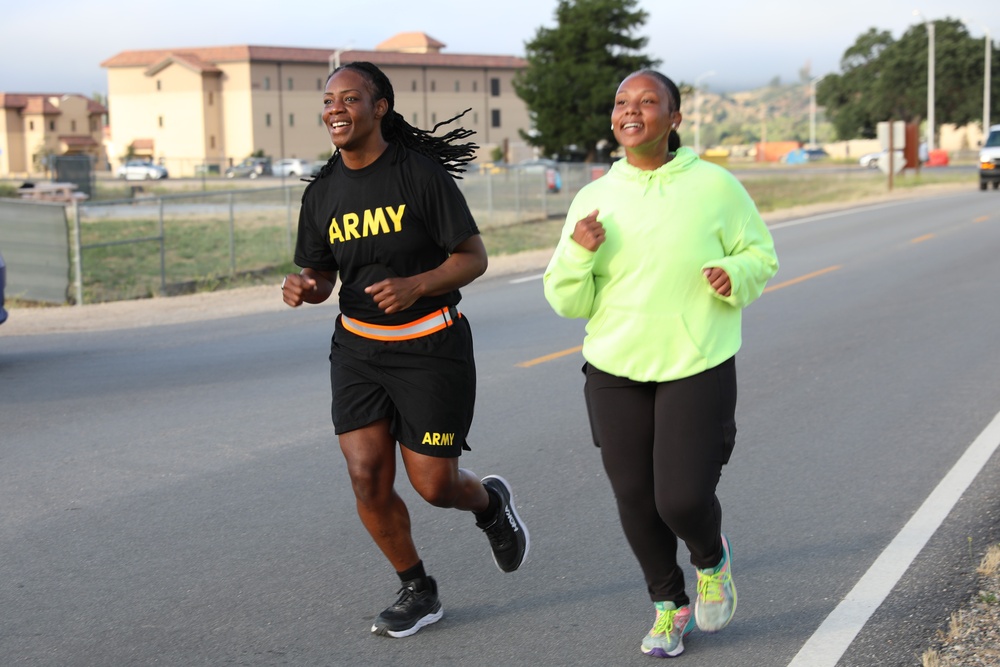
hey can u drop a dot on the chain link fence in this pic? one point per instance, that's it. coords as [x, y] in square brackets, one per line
[166, 244]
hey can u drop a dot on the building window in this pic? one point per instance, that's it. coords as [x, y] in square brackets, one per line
[319, 119]
[413, 87]
[267, 120]
[434, 118]
[457, 87]
[414, 122]
[290, 86]
[72, 126]
[31, 125]
[495, 118]
[433, 87]
[93, 125]
[211, 141]
[291, 120]
[52, 126]
[495, 87]
[475, 86]
[475, 118]
[267, 83]
[158, 85]
[159, 121]
[319, 84]
[211, 98]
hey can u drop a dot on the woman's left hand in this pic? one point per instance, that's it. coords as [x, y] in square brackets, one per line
[394, 294]
[719, 280]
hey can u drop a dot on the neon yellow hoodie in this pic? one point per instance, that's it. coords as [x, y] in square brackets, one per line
[652, 314]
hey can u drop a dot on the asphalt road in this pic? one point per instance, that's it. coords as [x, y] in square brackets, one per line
[174, 495]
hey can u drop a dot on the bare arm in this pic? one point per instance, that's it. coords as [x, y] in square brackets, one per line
[466, 263]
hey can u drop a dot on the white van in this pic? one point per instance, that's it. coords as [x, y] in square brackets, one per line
[989, 160]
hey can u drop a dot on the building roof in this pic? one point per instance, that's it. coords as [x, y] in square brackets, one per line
[411, 42]
[35, 103]
[211, 56]
[190, 61]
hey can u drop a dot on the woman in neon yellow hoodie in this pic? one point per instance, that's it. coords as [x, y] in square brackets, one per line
[660, 255]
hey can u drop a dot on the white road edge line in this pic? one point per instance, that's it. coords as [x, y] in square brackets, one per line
[833, 637]
[834, 214]
[526, 279]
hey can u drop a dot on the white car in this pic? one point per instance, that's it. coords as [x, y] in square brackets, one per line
[291, 167]
[871, 160]
[140, 170]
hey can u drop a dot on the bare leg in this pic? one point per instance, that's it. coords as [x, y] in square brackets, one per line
[442, 483]
[370, 452]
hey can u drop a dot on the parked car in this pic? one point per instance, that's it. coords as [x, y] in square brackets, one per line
[871, 160]
[3, 286]
[989, 160]
[553, 174]
[251, 167]
[803, 155]
[141, 170]
[291, 167]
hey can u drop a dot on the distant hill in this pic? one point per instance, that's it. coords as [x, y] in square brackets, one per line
[771, 113]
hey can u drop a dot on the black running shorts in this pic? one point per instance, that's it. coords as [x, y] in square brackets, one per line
[425, 387]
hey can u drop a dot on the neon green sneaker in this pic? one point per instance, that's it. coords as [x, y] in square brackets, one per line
[716, 602]
[672, 625]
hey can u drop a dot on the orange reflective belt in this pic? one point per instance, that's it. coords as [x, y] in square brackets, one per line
[439, 319]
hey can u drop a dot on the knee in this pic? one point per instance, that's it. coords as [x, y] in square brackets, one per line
[683, 510]
[368, 485]
[438, 493]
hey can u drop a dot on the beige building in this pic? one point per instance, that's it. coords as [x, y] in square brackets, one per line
[217, 105]
[34, 126]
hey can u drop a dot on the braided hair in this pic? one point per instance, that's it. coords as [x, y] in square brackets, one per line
[674, 140]
[443, 150]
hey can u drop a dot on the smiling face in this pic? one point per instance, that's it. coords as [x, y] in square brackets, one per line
[351, 114]
[643, 118]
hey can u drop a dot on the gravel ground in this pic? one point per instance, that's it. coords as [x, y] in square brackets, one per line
[973, 635]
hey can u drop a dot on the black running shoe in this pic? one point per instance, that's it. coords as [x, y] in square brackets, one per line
[418, 605]
[507, 533]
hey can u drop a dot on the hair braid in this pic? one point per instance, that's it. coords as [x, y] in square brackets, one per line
[442, 149]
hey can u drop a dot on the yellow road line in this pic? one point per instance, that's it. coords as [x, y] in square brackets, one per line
[795, 281]
[548, 357]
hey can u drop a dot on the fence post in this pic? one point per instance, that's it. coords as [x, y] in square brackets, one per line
[77, 254]
[489, 195]
[232, 236]
[288, 219]
[163, 253]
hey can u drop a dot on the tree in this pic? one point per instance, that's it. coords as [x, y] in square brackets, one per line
[885, 79]
[574, 69]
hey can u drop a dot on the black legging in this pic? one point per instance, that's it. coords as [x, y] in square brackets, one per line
[663, 445]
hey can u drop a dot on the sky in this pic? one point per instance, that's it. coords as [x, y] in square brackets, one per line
[724, 45]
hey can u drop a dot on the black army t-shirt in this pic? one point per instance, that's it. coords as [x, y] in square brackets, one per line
[399, 216]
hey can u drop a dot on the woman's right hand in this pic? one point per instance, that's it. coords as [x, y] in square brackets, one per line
[588, 232]
[307, 287]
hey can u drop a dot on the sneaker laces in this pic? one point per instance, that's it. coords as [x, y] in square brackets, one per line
[711, 585]
[406, 593]
[496, 532]
[664, 623]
